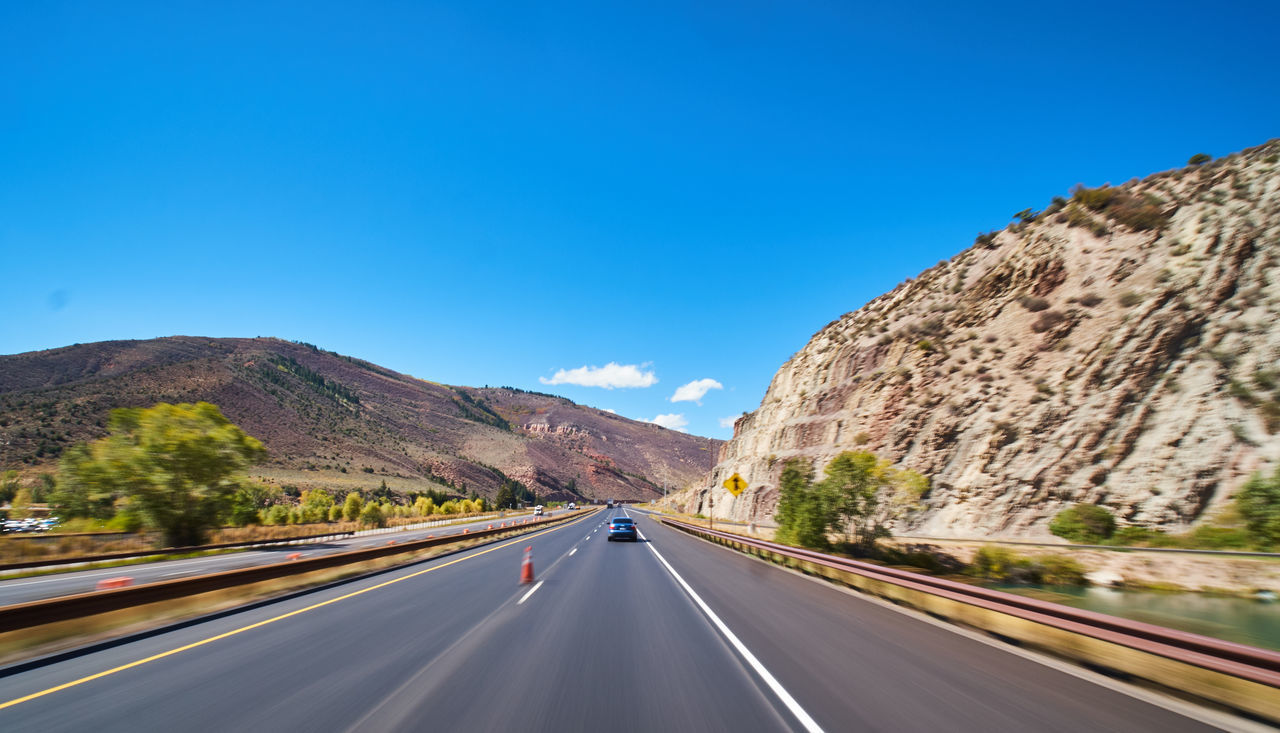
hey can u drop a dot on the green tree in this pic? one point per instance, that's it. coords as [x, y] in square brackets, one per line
[1259, 505]
[86, 488]
[8, 486]
[1199, 159]
[372, 515]
[860, 495]
[20, 504]
[178, 465]
[352, 507]
[335, 513]
[1084, 523]
[314, 507]
[249, 501]
[423, 507]
[804, 514]
[506, 498]
[277, 514]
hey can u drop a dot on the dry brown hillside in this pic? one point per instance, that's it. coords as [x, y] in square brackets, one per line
[334, 421]
[1121, 347]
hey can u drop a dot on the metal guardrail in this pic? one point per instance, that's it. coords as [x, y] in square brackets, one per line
[106, 556]
[1238, 660]
[36, 613]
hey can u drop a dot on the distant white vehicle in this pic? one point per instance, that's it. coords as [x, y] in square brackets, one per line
[537, 511]
[572, 505]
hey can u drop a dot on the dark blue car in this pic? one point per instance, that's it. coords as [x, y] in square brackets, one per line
[622, 528]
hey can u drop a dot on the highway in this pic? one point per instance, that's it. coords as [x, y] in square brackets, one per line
[667, 634]
[35, 588]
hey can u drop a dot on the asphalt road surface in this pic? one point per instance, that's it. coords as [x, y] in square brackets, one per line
[668, 634]
[35, 588]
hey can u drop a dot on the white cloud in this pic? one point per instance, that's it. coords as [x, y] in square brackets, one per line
[672, 421]
[608, 376]
[611, 412]
[695, 391]
[727, 422]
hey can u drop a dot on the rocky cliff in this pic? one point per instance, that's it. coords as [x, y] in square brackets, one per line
[1121, 347]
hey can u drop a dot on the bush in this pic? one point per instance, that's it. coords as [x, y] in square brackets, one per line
[372, 516]
[1128, 299]
[1047, 320]
[991, 562]
[1199, 159]
[277, 514]
[1089, 300]
[1087, 524]
[1032, 303]
[352, 507]
[1000, 564]
[1259, 505]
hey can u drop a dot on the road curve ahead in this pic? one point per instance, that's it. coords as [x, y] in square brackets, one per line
[668, 634]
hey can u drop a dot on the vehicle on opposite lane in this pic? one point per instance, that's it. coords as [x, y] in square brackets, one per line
[622, 528]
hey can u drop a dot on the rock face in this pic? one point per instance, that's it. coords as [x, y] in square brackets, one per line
[1120, 347]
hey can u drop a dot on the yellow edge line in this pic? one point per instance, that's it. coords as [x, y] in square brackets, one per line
[281, 617]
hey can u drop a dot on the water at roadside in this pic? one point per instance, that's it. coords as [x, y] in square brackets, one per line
[1242, 620]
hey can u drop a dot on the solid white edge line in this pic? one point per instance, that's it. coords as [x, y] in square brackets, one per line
[525, 597]
[806, 721]
[1222, 720]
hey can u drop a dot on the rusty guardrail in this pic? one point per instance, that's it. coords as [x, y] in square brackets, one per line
[1239, 675]
[22, 616]
[106, 556]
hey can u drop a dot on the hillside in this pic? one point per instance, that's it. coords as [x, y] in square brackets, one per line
[1120, 347]
[334, 421]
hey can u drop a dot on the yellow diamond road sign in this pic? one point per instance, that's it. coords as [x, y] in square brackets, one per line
[735, 484]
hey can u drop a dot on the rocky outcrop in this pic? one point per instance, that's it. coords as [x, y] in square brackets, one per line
[1120, 347]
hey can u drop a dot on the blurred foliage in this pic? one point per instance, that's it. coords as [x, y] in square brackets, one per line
[1006, 566]
[1259, 505]
[859, 496]
[1087, 524]
[177, 467]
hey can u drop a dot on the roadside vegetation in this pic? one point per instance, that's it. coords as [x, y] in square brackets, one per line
[176, 474]
[1250, 523]
[855, 502]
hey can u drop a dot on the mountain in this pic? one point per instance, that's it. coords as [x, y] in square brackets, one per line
[1120, 347]
[334, 421]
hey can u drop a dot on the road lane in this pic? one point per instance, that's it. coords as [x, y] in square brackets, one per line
[609, 640]
[23, 590]
[853, 663]
[315, 670]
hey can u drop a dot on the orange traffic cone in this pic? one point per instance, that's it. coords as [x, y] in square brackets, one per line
[526, 568]
[491, 526]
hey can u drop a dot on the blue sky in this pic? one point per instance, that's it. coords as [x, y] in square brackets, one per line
[492, 193]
